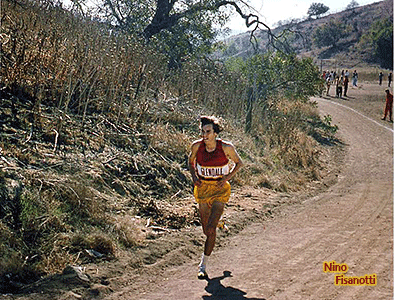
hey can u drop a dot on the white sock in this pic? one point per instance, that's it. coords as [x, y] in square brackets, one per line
[203, 263]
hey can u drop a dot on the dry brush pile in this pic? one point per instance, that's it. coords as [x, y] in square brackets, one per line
[95, 133]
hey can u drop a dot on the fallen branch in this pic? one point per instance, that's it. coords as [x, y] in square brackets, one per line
[158, 228]
[166, 160]
[176, 194]
[6, 161]
[30, 135]
[56, 137]
[111, 159]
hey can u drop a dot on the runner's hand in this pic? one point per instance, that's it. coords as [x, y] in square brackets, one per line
[197, 181]
[222, 181]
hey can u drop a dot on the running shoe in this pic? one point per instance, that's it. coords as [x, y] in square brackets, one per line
[202, 275]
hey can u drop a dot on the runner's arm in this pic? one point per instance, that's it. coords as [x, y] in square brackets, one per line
[192, 163]
[232, 154]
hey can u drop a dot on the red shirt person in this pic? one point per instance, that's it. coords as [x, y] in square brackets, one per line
[209, 165]
[389, 106]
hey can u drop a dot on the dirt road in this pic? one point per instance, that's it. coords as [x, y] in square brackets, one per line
[351, 223]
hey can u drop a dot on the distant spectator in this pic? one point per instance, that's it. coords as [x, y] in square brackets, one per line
[345, 85]
[390, 78]
[389, 105]
[332, 77]
[355, 78]
[380, 78]
[339, 84]
[328, 83]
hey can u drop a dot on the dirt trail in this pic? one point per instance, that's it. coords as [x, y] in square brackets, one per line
[352, 223]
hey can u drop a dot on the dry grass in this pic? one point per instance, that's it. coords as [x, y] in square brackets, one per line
[128, 230]
[283, 152]
[74, 64]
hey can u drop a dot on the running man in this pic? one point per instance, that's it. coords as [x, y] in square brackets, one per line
[209, 165]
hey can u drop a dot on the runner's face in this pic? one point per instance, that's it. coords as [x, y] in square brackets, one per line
[207, 133]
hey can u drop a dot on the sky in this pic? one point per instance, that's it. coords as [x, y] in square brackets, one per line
[272, 11]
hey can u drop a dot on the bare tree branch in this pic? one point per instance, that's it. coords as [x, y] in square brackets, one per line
[163, 19]
[115, 13]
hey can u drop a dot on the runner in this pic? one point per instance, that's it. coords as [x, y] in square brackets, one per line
[209, 166]
[388, 109]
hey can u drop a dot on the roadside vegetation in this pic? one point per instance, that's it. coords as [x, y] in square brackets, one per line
[95, 129]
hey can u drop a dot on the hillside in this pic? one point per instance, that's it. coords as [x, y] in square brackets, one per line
[358, 19]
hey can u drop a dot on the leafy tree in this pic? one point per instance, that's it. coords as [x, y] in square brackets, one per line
[162, 24]
[178, 27]
[273, 74]
[352, 4]
[330, 33]
[378, 42]
[189, 37]
[317, 9]
[155, 16]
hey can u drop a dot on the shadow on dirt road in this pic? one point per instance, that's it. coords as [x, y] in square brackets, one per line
[219, 291]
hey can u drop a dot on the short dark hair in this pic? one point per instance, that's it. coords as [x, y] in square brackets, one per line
[205, 120]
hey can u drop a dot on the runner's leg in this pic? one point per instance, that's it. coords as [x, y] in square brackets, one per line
[205, 211]
[212, 222]
[210, 216]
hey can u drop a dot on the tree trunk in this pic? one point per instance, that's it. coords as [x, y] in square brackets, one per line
[161, 20]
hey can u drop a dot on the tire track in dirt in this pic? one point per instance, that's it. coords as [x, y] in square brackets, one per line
[380, 216]
[353, 236]
[349, 220]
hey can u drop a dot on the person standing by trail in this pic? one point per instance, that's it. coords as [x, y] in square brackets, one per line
[209, 165]
[389, 106]
[339, 85]
[380, 78]
[355, 78]
[345, 85]
[390, 78]
[328, 84]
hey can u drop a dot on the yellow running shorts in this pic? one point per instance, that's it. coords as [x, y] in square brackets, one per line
[209, 192]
